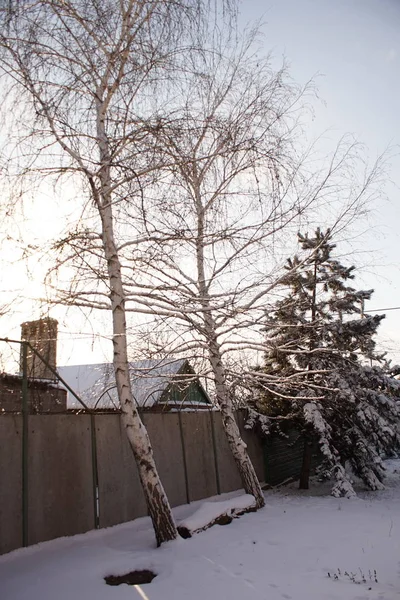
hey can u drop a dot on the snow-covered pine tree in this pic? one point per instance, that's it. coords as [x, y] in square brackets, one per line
[317, 371]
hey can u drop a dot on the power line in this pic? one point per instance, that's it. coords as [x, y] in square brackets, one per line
[382, 309]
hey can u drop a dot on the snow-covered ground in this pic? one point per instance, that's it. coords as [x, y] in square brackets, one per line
[284, 551]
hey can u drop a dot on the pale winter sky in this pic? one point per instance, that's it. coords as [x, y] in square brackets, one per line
[353, 46]
[353, 49]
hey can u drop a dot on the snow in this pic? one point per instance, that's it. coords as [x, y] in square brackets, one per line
[209, 511]
[313, 416]
[283, 551]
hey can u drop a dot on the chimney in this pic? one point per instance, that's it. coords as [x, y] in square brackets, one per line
[42, 335]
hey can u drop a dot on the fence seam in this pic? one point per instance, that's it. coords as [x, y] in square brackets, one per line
[214, 443]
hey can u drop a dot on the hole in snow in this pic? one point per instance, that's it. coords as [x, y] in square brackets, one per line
[132, 578]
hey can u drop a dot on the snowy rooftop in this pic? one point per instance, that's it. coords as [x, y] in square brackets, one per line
[95, 384]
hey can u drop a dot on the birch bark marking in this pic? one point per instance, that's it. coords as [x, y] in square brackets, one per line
[232, 432]
[156, 499]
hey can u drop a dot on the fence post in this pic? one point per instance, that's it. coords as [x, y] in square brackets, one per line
[25, 425]
[214, 443]
[95, 473]
[184, 458]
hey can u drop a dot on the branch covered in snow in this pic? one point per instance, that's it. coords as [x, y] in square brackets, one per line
[216, 513]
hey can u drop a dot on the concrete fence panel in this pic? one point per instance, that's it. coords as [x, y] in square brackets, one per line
[229, 477]
[199, 450]
[10, 482]
[60, 483]
[191, 452]
[165, 437]
[254, 446]
[121, 497]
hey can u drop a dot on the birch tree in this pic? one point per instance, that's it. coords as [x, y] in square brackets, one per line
[85, 79]
[236, 183]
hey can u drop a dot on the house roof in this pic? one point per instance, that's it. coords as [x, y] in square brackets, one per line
[95, 384]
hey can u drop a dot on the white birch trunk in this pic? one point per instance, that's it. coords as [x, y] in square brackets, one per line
[236, 444]
[156, 499]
